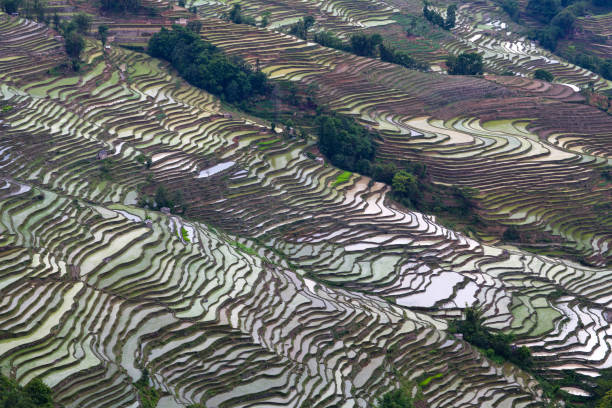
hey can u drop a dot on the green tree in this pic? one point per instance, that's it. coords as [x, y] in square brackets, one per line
[195, 26]
[450, 17]
[465, 64]
[404, 183]
[543, 10]
[512, 8]
[103, 33]
[74, 44]
[399, 398]
[82, 22]
[365, 45]
[120, 5]
[11, 6]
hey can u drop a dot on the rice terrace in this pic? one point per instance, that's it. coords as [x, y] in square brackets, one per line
[305, 203]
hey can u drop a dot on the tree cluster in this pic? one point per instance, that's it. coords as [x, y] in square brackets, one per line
[300, 29]
[235, 16]
[495, 345]
[347, 144]
[399, 398]
[29, 8]
[329, 39]
[435, 18]
[365, 45]
[389, 54]
[203, 65]
[543, 75]
[34, 395]
[369, 45]
[73, 32]
[465, 64]
[120, 5]
[511, 7]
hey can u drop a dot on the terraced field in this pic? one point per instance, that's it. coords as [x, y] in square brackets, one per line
[288, 282]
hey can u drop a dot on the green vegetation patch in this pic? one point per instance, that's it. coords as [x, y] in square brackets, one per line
[149, 396]
[343, 178]
[429, 379]
[34, 394]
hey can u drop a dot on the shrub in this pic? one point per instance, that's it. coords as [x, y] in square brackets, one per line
[543, 75]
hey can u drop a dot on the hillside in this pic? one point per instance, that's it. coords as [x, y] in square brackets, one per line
[271, 277]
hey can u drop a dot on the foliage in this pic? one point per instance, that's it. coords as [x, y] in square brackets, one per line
[406, 186]
[399, 398]
[465, 64]
[543, 10]
[300, 29]
[74, 44]
[511, 234]
[329, 39]
[120, 5]
[365, 44]
[450, 17]
[103, 33]
[347, 144]
[435, 18]
[543, 75]
[429, 379]
[343, 177]
[511, 7]
[34, 395]
[184, 234]
[388, 54]
[149, 396]
[10, 6]
[170, 199]
[82, 22]
[194, 26]
[475, 332]
[235, 16]
[203, 65]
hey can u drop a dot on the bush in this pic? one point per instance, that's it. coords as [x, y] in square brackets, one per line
[543, 75]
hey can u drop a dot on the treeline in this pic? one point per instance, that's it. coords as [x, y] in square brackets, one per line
[236, 16]
[467, 63]
[120, 5]
[499, 348]
[204, 66]
[350, 146]
[496, 346]
[32, 9]
[436, 18]
[370, 45]
[34, 395]
[559, 17]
